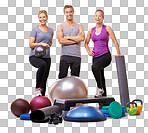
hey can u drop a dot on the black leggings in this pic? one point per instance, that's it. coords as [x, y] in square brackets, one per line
[73, 62]
[43, 65]
[99, 63]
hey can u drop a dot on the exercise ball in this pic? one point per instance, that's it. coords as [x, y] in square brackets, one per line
[39, 102]
[40, 51]
[84, 114]
[68, 88]
[20, 106]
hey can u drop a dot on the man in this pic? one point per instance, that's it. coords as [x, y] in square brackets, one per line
[69, 35]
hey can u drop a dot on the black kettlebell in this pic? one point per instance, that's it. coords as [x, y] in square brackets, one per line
[40, 51]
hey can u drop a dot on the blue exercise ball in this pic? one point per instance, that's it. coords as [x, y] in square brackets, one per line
[84, 114]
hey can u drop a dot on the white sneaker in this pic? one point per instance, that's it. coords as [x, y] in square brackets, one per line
[38, 92]
[99, 92]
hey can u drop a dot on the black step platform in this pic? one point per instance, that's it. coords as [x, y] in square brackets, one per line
[65, 104]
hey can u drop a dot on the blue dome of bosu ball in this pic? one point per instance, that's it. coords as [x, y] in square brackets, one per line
[84, 114]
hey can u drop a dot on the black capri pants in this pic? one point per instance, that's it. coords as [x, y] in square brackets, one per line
[99, 63]
[43, 65]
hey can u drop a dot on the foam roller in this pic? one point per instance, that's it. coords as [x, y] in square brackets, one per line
[122, 80]
[47, 114]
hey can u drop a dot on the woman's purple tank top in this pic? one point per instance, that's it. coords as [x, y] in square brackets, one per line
[100, 41]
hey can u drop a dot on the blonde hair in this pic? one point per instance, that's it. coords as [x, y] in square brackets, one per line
[43, 11]
[68, 6]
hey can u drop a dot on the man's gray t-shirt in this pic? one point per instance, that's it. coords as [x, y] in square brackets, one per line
[41, 36]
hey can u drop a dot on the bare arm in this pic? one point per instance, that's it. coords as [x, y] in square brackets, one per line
[87, 42]
[61, 38]
[32, 43]
[80, 37]
[113, 37]
[51, 41]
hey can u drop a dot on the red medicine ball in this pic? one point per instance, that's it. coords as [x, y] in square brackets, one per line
[39, 102]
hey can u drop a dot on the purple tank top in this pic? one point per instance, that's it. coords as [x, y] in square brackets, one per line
[100, 41]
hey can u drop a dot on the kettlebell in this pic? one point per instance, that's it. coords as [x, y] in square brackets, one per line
[40, 51]
[131, 111]
[139, 108]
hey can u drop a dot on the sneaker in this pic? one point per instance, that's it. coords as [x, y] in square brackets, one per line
[38, 92]
[99, 92]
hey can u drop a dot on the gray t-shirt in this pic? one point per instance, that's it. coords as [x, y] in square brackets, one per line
[41, 36]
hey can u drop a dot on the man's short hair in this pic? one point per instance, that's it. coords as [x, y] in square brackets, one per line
[68, 6]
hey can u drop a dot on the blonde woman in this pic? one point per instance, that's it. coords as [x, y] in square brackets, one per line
[41, 35]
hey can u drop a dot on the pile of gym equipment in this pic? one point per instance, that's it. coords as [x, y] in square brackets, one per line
[69, 99]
